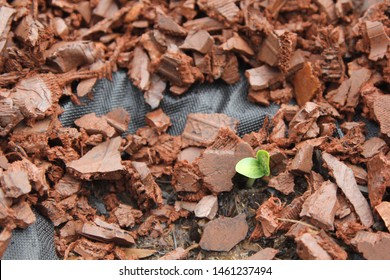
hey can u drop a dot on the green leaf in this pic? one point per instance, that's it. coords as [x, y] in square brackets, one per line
[263, 161]
[250, 168]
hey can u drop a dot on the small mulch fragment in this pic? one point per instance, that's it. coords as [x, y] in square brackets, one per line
[186, 205]
[15, 183]
[207, 207]
[67, 56]
[224, 233]
[54, 211]
[321, 206]
[200, 41]
[154, 94]
[378, 169]
[302, 162]
[373, 245]
[264, 254]
[105, 232]
[158, 119]
[189, 154]
[382, 114]
[263, 77]
[278, 48]
[259, 97]
[267, 216]
[222, 10]
[144, 188]
[138, 70]
[379, 40]
[167, 148]
[202, 129]
[346, 96]
[217, 163]
[68, 185]
[319, 246]
[291, 211]
[102, 162]
[89, 250]
[167, 24]
[127, 215]
[346, 182]
[309, 249]
[178, 254]
[138, 253]
[237, 44]
[119, 119]
[277, 161]
[24, 216]
[5, 239]
[373, 146]
[185, 178]
[383, 210]
[360, 174]
[306, 84]
[94, 125]
[284, 182]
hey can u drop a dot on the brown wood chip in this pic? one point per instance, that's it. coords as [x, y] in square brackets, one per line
[382, 114]
[346, 182]
[5, 239]
[262, 77]
[379, 41]
[383, 210]
[177, 254]
[306, 84]
[264, 254]
[102, 162]
[119, 119]
[284, 182]
[207, 207]
[378, 169]
[302, 162]
[321, 206]
[202, 129]
[94, 125]
[224, 233]
[105, 232]
[373, 146]
[15, 183]
[200, 41]
[158, 119]
[217, 163]
[373, 245]
[127, 215]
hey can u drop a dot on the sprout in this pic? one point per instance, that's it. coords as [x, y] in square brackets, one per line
[254, 168]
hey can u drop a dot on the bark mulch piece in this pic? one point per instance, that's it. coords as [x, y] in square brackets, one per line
[217, 163]
[264, 254]
[207, 207]
[101, 162]
[383, 210]
[346, 182]
[224, 233]
[373, 246]
[378, 169]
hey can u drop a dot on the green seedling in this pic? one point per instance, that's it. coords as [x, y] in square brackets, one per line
[254, 168]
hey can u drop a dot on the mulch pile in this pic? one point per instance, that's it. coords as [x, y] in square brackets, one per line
[154, 195]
